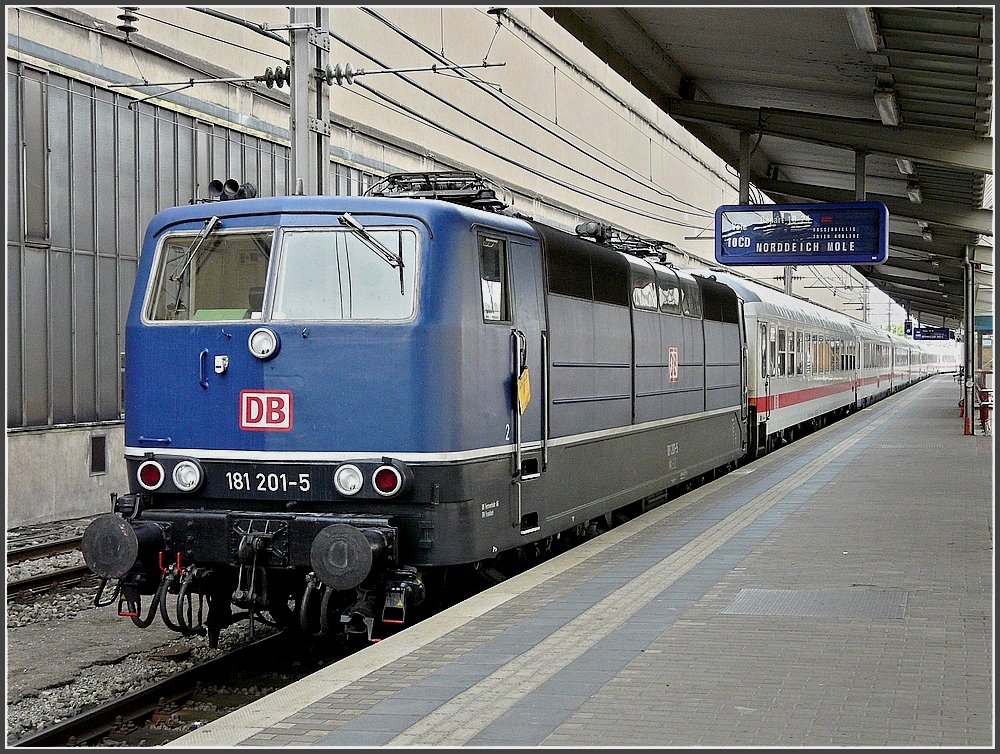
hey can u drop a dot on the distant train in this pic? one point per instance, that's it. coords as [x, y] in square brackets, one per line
[330, 402]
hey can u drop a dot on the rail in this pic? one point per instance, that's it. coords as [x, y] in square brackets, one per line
[58, 577]
[48, 549]
[96, 723]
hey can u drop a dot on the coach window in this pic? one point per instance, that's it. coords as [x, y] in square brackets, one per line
[798, 352]
[790, 363]
[781, 351]
[493, 273]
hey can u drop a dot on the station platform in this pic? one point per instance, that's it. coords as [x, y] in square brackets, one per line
[838, 592]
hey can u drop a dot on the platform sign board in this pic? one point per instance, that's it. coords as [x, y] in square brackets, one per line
[932, 333]
[787, 234]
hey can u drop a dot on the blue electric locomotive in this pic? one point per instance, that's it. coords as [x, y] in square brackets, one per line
[331, 400]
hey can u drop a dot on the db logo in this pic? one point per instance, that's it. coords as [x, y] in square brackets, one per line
[268, 410]
[672, 365]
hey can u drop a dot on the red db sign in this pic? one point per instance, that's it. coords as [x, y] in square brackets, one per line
[266, 410]
[673, 365]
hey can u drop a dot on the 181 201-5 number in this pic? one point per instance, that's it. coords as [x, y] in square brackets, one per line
[244, 481]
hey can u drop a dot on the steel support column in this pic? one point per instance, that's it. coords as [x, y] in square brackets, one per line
[310, 101]
[968, 344]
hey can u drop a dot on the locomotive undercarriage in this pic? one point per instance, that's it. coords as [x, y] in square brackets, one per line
[334, 576]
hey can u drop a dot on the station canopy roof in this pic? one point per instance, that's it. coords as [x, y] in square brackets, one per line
[909, 89]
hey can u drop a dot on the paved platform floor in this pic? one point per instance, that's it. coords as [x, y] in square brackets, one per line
[837, 592]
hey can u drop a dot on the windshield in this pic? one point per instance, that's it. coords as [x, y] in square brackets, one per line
[223, 280]
[338, 275]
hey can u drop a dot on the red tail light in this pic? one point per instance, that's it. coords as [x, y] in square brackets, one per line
[150, 475]
[387, 481]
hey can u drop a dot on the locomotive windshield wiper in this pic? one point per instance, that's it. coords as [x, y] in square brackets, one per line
[195, 246]
[396, 260]
[211, 225]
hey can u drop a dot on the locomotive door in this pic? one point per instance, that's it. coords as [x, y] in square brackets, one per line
[529, 394]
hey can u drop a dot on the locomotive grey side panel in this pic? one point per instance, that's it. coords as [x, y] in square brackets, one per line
[606, 476]
[652, 373]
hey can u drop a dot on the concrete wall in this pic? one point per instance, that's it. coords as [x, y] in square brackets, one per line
[48, 474]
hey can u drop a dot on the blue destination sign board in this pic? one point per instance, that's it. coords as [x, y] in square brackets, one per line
[785, 234]
[932, 333]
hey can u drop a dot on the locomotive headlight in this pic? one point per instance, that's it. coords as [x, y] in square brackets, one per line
[263, 343]
[187, 476]
[348, 479]
[150, 475]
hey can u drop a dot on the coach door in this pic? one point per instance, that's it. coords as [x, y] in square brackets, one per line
[744, 365]
[529, 355]
[767, 346]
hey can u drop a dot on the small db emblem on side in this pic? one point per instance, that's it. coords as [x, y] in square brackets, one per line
[266, 410]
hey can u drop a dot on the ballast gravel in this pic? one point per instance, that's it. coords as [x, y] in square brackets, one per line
[63, 660]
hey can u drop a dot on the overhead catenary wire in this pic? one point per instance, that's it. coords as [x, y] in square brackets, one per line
[543, 43]
[506, 100]
[271, 35]
[497, 154]
[420, 117]
[527, 168]
[230, 18]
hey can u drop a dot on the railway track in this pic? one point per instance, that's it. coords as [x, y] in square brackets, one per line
[68, 576]
[94, 725]
[63, 575]
[44, 550]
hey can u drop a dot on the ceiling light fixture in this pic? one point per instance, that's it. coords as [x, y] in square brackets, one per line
[913, 191]
[888, 107]
[862, 22]
[905, 166]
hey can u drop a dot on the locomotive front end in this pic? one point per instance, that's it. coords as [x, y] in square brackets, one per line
[262, 338]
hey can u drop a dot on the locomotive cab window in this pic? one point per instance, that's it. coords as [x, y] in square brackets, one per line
[493, 274]
[213, 276]
[335, 275]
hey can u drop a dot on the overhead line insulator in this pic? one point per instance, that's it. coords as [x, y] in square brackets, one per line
[277, 77]
[339, 74]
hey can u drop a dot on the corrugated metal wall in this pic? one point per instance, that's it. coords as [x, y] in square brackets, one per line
[87, 169]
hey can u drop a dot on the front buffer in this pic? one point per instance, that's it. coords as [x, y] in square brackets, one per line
[327, 574]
